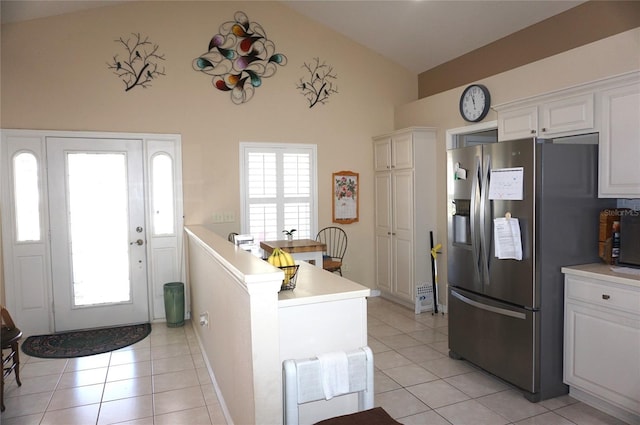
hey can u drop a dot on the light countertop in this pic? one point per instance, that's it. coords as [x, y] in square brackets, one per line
[611, 273]
[314, 285]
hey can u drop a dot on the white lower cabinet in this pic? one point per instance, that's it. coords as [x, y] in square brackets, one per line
[405, 200]
[602, 339]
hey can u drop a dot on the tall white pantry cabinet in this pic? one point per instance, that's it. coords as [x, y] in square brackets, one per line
[405, 211]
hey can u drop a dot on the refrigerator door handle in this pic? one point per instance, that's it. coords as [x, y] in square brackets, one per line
[475, 222]
[497, 310]
[485, 221]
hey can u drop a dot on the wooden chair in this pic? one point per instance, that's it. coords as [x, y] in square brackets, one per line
[336, 241]
[9, 336]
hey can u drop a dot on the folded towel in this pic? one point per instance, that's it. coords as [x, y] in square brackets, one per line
[334, 368]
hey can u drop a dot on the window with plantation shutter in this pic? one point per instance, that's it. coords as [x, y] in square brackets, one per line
[278, 190]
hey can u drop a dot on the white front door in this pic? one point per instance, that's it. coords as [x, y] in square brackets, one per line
[97, 219]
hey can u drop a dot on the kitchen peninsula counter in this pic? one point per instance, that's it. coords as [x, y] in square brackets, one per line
[251, 326]
[315, 285]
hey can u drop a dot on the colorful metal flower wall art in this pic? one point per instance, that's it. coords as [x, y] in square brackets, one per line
[139, 66]
[240, 56]
[319, 84]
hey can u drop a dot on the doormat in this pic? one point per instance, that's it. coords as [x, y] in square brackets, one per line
[84, 343]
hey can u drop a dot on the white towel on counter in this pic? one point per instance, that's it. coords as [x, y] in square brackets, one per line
[334, 369]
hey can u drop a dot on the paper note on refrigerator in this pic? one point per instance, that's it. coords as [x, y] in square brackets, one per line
[507, 184]
[506, 237]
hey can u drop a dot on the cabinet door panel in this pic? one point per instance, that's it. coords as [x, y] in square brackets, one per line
[619, 148]
[384, 264]
[403, 271]
[402, 151]
[402, 230]
[382, 155]
[402, 186]
[567, 115]
[517, 124]
[602, 354]
[383, 217]
[382, 207]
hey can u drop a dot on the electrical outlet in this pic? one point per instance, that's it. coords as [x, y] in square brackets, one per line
[204, 319]
[229, 217]
[218, 217]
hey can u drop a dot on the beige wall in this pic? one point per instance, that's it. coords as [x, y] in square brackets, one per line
[2, 296]
[55, 76]
[606, 57]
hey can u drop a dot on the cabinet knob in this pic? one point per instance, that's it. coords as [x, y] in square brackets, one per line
[544, 129]
[605, 296]
[533, 132]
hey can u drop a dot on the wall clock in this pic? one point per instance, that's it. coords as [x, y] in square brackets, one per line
[475, 103]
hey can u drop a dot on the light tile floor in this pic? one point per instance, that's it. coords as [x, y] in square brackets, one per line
[160, 380]
[163, 380]
[417, 383]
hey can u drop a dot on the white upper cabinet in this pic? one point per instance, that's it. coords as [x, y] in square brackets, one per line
[569, 115]
[620, 142]
[517, 123]
[394, 152]
[552, 117]
[610, 107]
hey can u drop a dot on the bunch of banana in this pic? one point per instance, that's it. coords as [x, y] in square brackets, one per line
[280, 258]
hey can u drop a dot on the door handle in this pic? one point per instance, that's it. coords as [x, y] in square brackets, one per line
[486, 220]
[492, 309]
[139, 242]
[475, 221]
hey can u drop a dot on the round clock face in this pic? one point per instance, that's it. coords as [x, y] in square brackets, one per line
[475, 103]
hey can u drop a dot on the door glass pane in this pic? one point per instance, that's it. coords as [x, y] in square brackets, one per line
[162, 187]
[98, 220]
[27, 198]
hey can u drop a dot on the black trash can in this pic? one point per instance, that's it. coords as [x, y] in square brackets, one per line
[174, 304]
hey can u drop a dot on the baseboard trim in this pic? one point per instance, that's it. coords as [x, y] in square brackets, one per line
[604, 406]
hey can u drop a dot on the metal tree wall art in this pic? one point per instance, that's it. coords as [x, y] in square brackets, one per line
[139, 66]
[319, 84]
[240, 56]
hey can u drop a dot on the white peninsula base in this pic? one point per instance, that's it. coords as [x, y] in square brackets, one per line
[251, 327]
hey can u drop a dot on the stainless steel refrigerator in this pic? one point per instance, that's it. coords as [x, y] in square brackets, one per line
[506, 315]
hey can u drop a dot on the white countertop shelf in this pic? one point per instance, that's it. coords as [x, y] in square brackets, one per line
[611, 273]
[314, 285]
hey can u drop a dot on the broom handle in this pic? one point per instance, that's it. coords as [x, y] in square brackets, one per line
[433, 276]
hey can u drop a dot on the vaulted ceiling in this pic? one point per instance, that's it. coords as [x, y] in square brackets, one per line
[419, 35]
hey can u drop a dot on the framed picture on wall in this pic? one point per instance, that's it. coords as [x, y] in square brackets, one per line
[346, 197]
